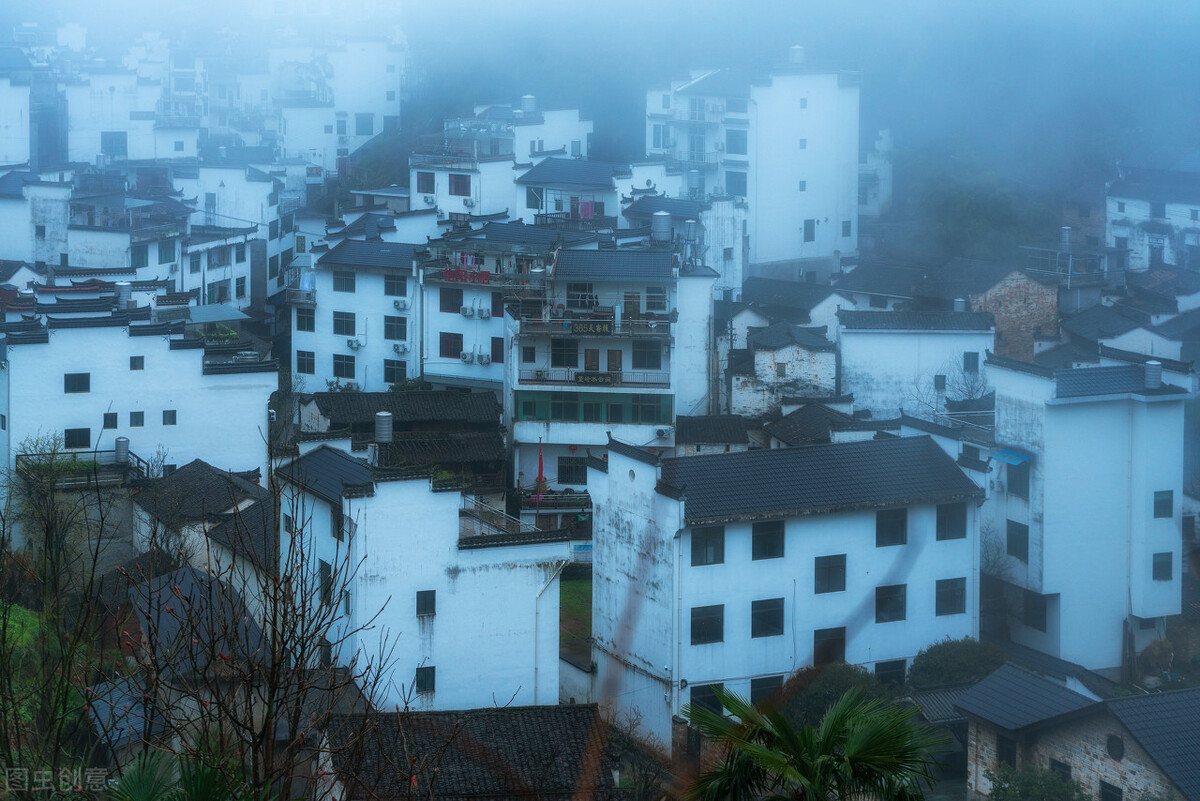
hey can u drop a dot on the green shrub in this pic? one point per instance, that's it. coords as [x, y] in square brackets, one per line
[1033, 784]
[952, 662]
[810, 692]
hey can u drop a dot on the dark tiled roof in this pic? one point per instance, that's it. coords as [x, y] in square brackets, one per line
[783, 335]
[797, 295]
[1114, 380]
[348, 408]
[500, 753]
[712, 428]
[816, 479]
[368, 225]
[881, 279]
[1165, 186]
[720, 83]
[1180, 328]
[1047, 665]
[423, 449]
[632, 451]
[518, 233]
[807, 425]
[357, 253]
[196, 491]
[1100, 321]
[1167, 726]
[573, 172]
[1065, 355]
[682, 208]
[937, 706]
[1174, 281]
[741, 361]
[1131, 357]
[251, 532]
[1014, 698]
[615, 265]
[961, 278]
[12, 183]
[916, 321]
[327, 473]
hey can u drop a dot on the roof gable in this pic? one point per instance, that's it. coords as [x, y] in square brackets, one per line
[1167, 727]
[1014, 698]
[573, 172]
[360, 253]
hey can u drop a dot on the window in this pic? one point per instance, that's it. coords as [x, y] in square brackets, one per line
[736, 105]
[395, 327]
[240, 287]
[395, 285]
[890, 603]
[951, 521]
[1034, 610]
[705, 695]
[450, 300]
[728, 254]
[659, 136]
[343, 366]
[1162, 566]
[114, 144]
[137, 419]
[341, 126]
[1158, 210]
[666, 101]
[648, 409]
[337, 523]
[166, 251]
[1110, 792]
[306, 362]
[425, 679]
[829, 645]
[846, 228]
[273, 229]
[708, 624]
[1018, 540]
[1062, 769]
[564, 406]
[781, 370]
[364, 124]
[951, 598]
[273, 267]
[564, 353]
[535, 197]
[138, 256]
[708, 545]
[735, 183]
[804, 144]
[110, 421]
[647, 355]
[39, 231]
[137, 362]
[497, 304]
[394, 371]
[426, 602]
[1018, 479]
[77, 382]
[803, 187]
[1164, 503]
[767, 540]
[1006, 751]
[656, 298]
[579, 296]
[762, 689]
[170, 417]
[528, 354]
[239, 252]
[891, 672]
[306, 319]
[460, 185]
[1121, 206]
[498, 350]
[77, 438]
[766, 618]
[1195, 215]
[891, 527]
[450, 346]
[735, 142]
[425, 183]
[343, 324]
[572, 470]
[810, 230]
[829, 574]
[343, 281]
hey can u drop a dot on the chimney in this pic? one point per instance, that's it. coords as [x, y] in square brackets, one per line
[960, 304]
[1065, 239]
[1153, 375]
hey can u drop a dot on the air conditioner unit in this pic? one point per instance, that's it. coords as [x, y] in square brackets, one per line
[174, 268]
[467, 311]
[400, 304]
[467, 356]
[719, 146]
[353, 344]
[429, 200]
[400, 347]
[468, 202]
[540, 375]
[662, 433]
[485, 313]
[485, 359]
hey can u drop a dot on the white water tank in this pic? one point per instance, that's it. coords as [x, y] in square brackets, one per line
[660, 227]
[383, 427]
[528, 104]
[796, 54]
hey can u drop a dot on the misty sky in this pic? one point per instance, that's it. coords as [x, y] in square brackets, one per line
[1018, 87]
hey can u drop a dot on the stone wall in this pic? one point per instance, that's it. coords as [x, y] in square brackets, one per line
[1022, 307]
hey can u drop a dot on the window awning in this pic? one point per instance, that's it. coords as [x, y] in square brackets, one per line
[1009, 456]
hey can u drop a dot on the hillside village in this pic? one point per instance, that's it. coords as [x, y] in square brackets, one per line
[535, 446]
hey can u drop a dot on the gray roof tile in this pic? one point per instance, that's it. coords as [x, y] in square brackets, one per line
[683, 208]
[797, 295]
[327, 473]
[1100, 321]
[1115, 380]
[916, 321]
[573, 172]
[615, 265]
[1167, 727]
[1014, 698]
[358, 253]
[712, 428]
[348, 408]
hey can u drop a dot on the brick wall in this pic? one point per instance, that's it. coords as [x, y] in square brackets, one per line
[1021, 307]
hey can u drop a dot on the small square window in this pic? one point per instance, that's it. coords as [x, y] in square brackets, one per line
[1164, 503]
[40, 231]
[829, 574]
[425, 679]
[306, 319]
[528, 354]
[952, 520]
[803, 186]
[781, 370]
[450, 345]
[891, 603]
[137, 419]
[239, 251]
[137, 362]
[169, 417]
[767, 540]
[971, 362]
[804, 144]
[708, 624]
[306, 362]
[829, 645]
[426, 602]
[77, 382]
[343, 366]
[1062, 769]
[1121, 206]
[1018, 541]
[572, 470]
[77, 438]
[1110, 792]
[395, 327]
[951, 597]
[395, 285]
[891, 527]
[708, 545]
[450, 300]
[1163, 569]
[394, 371]
[766, 618]
[891, 672]
[110, 419]
[343, 281]
[1018, 479]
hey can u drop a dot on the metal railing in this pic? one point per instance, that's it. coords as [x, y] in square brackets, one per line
[566, 221]
[82, 468]
[557, 500]
[601, 327]
[478, 519]
[601, 378]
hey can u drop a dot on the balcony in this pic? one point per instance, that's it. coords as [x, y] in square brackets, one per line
[81, 469]
[565, 221]
[597, 327]
[567, 500]
[596, 378]
[300, 297]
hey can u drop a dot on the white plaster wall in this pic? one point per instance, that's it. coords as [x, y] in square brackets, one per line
[16, 229]
[477, 333]
[691, 358]
[558, 129]
[14, 122]
[1141, 340]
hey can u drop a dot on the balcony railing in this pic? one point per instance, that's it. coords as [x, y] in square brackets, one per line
[566, 221]
[536, 326]
[301, 297]
[555, 500]
[478, 519]
[74, 469]
[596, 378]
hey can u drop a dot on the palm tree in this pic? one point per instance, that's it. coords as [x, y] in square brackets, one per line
[862, 749]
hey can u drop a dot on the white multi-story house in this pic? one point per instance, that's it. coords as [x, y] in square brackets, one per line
[787, 144]
[617, 342]
[111, 228]
[738, 569]
[423, 567]
[92, 380]
[912, 360]
[355, 317]
[15, 91]
[1154, 215]
[216, 264]
[575, 192]
[1085, 527]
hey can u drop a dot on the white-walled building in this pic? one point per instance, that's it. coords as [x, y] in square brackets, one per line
[423, 569]
[787, 144]
[355, 317]
[738, 569]
[1154, 215]
[912, 360]
[778, 361]
[15, 92]
[1086, 520]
